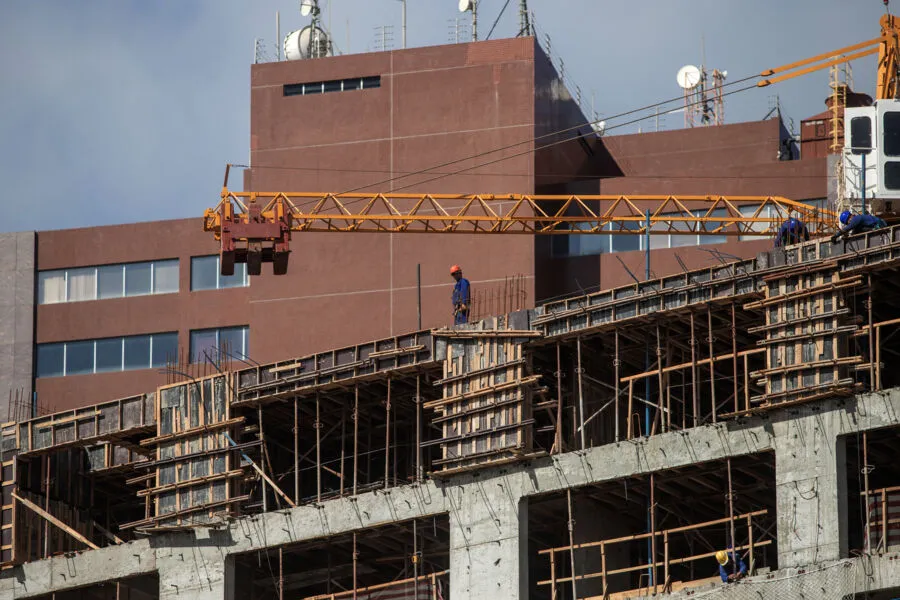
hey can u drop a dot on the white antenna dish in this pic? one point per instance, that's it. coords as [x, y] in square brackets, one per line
[465, 5]
[306, 7]
[688, 77]
[309, 42]
[600, 128]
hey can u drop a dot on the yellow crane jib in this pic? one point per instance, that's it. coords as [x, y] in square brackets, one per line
[256, 227]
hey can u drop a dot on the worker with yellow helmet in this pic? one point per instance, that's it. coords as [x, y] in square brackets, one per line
[731, 566]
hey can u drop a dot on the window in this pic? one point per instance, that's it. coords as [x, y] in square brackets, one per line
[892, 174]
[214, 344]
[332, 85]
[205, 274]
[860, 135]
[106, 355]
[891, 133]
[108, 281]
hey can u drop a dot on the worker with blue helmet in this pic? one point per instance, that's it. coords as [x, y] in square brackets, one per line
[857, 223]
[792, 231]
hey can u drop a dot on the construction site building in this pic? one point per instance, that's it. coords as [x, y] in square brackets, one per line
[327, 435]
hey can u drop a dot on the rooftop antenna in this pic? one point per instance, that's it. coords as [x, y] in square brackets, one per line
[311, 41]
[688, 78]
[471, 5]
[277, 35]
[524, 24]
[403, 23]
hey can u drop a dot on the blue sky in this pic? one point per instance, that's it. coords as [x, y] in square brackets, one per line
[120, 111]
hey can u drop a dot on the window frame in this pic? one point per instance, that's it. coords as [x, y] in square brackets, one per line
[218, 270]
[241, 355]
[94, 370]
[96, 273]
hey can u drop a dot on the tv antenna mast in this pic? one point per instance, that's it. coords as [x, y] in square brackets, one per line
[471, 5]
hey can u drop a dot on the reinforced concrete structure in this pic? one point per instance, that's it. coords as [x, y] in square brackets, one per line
[605, 445]
[183, 435]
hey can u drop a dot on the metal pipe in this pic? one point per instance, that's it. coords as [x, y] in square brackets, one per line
[318, 452]
[731, 514]
[418, 266]
[355, 448]
[571, 526]
[559, 402]
[580, 396]
[296, 452]
[420, 475]
[387, 436]
[712, 363]
[277, 35]
[616, 377]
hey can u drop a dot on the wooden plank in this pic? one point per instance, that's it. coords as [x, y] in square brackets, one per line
[191, 432]
[42, 513]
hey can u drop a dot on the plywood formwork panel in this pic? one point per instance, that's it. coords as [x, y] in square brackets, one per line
[485, 412]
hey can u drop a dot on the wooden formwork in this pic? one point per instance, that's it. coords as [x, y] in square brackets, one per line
[808, 324]
[485, 413]
[192, 478]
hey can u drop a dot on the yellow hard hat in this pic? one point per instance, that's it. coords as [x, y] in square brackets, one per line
[722, 557]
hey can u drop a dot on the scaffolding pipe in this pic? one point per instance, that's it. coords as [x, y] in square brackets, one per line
[571, 526]
[580, 395]
[387, 436]
[296, 452]
[616, 378]
[318, 452]
[355, 447]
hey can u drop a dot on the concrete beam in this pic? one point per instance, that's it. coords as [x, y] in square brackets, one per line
[486, 509]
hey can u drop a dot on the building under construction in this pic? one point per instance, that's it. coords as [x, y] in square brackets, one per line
[327, 435]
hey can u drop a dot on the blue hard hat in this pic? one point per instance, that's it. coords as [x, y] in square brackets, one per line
[845, 216]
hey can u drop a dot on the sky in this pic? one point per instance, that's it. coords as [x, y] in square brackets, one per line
[115, 111]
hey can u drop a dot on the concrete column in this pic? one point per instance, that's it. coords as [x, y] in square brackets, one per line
[195, 572]
[488, 541]
[811, 487]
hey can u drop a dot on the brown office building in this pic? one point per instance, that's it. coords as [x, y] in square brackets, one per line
[105, 312]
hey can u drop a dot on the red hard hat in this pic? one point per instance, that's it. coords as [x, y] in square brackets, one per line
[455, 269]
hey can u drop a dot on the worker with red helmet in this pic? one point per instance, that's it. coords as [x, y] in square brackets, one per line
[460, 297]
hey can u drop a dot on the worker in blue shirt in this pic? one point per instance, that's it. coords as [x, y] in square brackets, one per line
[460, 296]
[857, 223]
[730, 573]
[792, 231]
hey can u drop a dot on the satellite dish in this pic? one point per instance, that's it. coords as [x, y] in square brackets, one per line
[724, 74]
[688, 77]
[465, 5]
[600, 128]
[306, 43]
[306, 7]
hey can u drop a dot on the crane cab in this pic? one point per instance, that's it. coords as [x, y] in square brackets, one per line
[871, 158]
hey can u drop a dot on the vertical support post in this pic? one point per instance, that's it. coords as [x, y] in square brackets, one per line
[712, 362]
[862, 180]
[665, 560]
[865, 471]
[47, 505]
[733, 545]
[418, 266]
[877, 358]
[558, 441]
[318, 451]
[552, 574]
[746, 382]
[387, 436]
[355, 559]
[734, 357]
[580, 370]
[616, 377]
[660, 398]
[355, 441]
[693, 342]
[280, 573]
[571, 525]
[884, 521]
[343, 444]
[653, 572]
[871, 334]
[603, 567]
[750, 543]
[296, 452]
[630, 404]
[420, 473]
[262, 462]
[415, 560]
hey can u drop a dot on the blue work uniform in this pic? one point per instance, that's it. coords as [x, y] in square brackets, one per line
[792, 231]
[727, 569]
[460, 297]
[860, 224]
